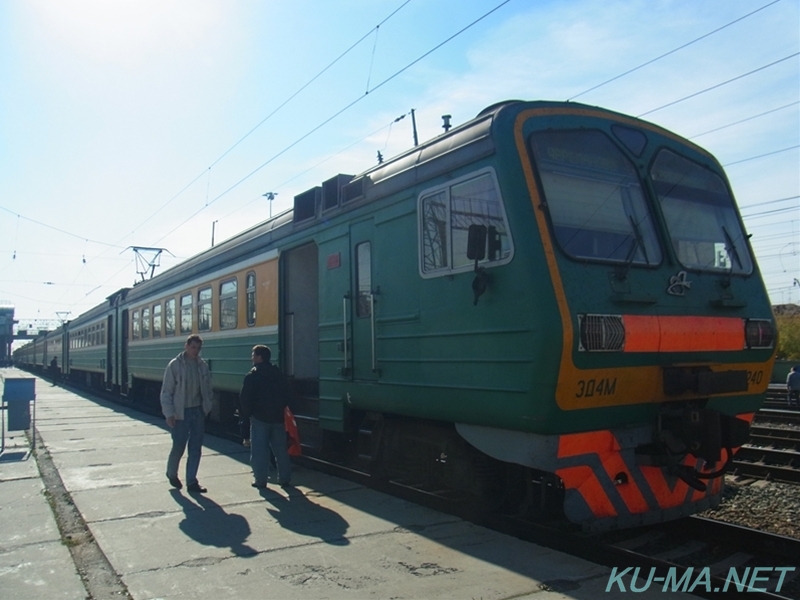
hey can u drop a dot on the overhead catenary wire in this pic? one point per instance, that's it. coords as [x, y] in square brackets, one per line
[718, 85]
[335, 115]
[673, 51]
[736, 162]
[314, 166]
[271, 114]
[768, 112]
[58, 229]
[752, 158]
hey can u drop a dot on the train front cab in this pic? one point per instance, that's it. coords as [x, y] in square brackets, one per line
[668, 336]
[665, 337]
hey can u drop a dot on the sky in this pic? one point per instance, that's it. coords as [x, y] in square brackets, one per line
[162, 123]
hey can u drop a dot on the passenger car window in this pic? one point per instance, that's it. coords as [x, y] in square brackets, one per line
[169, 317]
[251, 299]
[157, 320]
[204, 309]
[186, 313]
[145, 324]
[228, 304]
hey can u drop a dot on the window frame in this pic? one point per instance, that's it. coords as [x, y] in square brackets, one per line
[167, 331]
[446, 187]
[250, 299]
[145, 323]
[363, 264]
[730, 211]
[652, 250]
[228, 297]
[184, 306]
[205, 305]
[157, 316]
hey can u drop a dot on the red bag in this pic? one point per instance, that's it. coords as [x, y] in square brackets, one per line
[292, 437]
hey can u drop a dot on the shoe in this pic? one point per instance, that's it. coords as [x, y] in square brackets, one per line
[196, 488]
[175, 482]
[259, 486]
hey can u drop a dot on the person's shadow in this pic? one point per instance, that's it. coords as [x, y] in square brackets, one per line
[210, 525]
[299, 514]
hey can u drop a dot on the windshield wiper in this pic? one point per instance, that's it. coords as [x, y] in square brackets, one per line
[730, 247]
[636, 243]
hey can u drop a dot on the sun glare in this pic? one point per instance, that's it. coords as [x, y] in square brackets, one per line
[125, 31]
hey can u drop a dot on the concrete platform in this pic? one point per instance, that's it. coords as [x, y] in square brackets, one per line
[325, 538]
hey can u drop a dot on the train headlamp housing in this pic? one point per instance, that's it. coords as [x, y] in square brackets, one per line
[759, 333]
[601, 333]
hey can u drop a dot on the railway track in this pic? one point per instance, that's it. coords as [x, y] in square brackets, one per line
[776, 396]
[773, 451]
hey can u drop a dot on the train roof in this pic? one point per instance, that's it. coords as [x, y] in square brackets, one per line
[439, 155]
[417, 164]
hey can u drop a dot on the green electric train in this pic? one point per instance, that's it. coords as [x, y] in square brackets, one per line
[550, 297]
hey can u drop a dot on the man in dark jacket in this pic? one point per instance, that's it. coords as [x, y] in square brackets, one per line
[264, 396]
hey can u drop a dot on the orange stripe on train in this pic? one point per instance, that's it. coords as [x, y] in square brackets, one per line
[668, 492]
[682, 334]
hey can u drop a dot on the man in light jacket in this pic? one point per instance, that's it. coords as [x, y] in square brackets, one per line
[186, 396]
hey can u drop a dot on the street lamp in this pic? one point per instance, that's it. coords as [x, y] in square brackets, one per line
[270, 196]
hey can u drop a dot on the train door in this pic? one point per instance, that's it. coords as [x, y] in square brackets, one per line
[64, 358]
[364, 294]
[110, 337]
[299, 324]
[123, 353]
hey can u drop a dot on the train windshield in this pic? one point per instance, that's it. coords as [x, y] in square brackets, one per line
[700, 215]
[594, 198]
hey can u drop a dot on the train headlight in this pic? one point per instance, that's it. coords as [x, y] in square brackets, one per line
[759, 333]
[601, 333]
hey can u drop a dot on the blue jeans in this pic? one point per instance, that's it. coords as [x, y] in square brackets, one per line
[190, 429]
[263, 437]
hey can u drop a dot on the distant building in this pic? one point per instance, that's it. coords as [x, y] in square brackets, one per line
[6, 332]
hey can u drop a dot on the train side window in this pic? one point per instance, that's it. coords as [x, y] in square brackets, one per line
[445, 216]
[204, 309]
[435, 254]
[157, 320]
[134, 326]
[169, 317]
[594, 198]
[228, 304]
[145, 323]
[363, 278]
[250, 284]
[186, 313]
